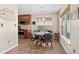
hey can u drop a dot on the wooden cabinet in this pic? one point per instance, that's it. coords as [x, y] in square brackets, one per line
[26, 34]
[27, 19]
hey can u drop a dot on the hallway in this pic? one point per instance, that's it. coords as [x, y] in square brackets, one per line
[24, 48]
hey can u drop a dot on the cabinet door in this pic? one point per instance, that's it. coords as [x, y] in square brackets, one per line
[26, 34]
[28, 19]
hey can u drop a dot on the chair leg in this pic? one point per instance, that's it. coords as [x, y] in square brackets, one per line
[46, 44]
[51, 45]
[40, 43]
[37, 42]
[31, 44]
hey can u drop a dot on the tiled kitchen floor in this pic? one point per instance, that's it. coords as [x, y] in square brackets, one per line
[24, 48]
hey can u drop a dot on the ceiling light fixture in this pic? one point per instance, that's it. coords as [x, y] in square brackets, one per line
[39, 19]
[43, 19]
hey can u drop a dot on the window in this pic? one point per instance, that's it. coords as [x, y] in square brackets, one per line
[65, 26]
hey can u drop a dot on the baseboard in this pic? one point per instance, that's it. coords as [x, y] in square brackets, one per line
[63, 46]
[9, 49]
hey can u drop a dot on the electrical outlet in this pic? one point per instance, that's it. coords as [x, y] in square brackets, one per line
[73, 50]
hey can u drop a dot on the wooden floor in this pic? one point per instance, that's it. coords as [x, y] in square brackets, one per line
[24, 48]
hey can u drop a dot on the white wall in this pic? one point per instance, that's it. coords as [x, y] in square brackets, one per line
[9, 32]
[54, 21]
[74, 33]
[63, 40]
[75, 30]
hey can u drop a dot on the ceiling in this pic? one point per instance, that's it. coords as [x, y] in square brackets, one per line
[36, 9]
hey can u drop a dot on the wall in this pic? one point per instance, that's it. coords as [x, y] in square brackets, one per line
[54, 21]
[75, 30]
[75, 35]
[9, 32]
[64, 40]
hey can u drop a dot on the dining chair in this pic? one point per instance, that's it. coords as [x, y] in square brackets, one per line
[32, 38]
[47, 38]
[50, 31]
[37, 39]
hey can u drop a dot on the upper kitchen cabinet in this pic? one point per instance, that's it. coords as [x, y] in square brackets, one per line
[26, 18]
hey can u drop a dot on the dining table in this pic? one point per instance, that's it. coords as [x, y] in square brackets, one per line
[40, 35]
